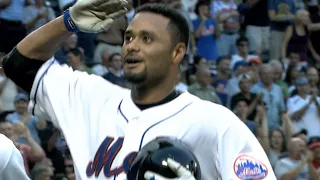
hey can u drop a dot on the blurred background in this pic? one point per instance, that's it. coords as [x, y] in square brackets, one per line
[259, 58]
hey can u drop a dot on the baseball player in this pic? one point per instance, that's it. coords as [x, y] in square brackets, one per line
[11, 161]
[106, 125]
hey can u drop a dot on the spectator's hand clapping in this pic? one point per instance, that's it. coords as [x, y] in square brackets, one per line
[314, 96]
[261, 112]
[307, 21]
[218, 16]
[291, 16]
[44, 14]
[203, 17]
[71, 176]
[285, 116]
[25, 118]
[260, 96]
[309, 156]
[26, 132]
[21, 130]
[194, 50]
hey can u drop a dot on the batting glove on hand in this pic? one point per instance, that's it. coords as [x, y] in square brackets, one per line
[182, 172]
[93, 16]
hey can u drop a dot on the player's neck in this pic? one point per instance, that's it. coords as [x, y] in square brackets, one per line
[149, 95]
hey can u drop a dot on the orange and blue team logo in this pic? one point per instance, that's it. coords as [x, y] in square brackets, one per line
[249, 168]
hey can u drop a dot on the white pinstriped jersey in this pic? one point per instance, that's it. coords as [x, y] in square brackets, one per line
[11, 161]
[105, 129]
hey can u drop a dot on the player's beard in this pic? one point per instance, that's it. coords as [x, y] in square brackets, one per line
[135, 78]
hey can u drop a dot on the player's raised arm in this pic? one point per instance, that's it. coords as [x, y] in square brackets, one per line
[24, 61]
[56, 90]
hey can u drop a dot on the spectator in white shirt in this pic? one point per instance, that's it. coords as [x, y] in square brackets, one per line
[304, 109]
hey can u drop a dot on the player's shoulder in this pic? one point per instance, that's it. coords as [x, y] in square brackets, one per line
[6, 149]
[217, 121]
[213, 112]
[82, 78]
[209, 108]
[5, 143]
[214, 117]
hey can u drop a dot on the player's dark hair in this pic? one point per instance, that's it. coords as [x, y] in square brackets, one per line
[177, 26]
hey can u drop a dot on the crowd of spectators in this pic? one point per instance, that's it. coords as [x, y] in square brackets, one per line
[259, 58]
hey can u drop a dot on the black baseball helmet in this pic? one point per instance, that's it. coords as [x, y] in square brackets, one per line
[153, 157]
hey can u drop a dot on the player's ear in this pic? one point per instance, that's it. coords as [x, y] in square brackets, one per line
[178, 53]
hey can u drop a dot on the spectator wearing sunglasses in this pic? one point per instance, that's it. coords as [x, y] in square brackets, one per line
[242, 54]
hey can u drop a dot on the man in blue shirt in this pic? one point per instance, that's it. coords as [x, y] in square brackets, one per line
[21, 115]
[272, 96]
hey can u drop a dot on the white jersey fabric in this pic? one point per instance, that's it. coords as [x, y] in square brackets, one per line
[11, 161]
[104, 129]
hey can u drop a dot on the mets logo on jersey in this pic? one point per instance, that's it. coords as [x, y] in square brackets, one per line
[247, 167]
[104, 157]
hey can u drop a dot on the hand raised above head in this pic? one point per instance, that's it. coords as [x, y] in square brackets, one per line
[93, 16]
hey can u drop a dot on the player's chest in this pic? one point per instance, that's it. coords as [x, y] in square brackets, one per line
[115, 153]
